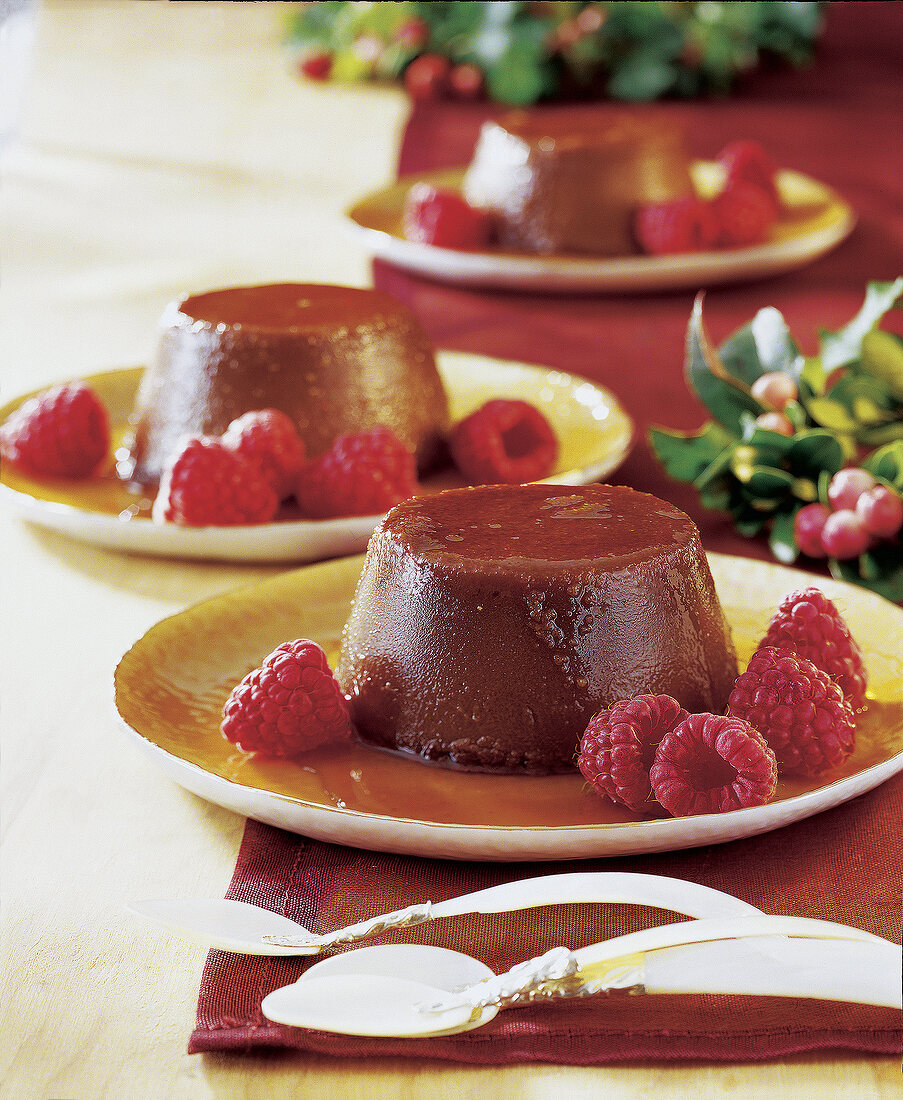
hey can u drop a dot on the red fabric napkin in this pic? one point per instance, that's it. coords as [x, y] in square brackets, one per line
[839, 122]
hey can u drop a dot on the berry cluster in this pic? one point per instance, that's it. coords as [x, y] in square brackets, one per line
[741, 214]
[242, 476]
[792, 711]
[860, 513]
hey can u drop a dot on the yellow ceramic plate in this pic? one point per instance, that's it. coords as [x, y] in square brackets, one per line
[171, 686]
[814, 221]
[593, 430]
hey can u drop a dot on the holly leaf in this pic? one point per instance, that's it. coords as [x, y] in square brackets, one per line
[688, 456]
[838, 349]
[880, 570]
[814, 452]
[781, 538]
[726, 398]
[760, 347]
[887, 464]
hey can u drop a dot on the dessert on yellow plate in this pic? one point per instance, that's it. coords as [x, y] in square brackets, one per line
[490, 624]
[555, 183]
[334, 359]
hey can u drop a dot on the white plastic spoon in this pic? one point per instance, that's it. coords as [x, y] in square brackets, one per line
[250, 930]
[355, 994]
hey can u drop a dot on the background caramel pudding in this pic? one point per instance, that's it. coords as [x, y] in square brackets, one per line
[560, 182]
[489, 624]
[335, 359]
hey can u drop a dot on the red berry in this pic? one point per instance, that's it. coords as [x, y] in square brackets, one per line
[776, 422]
[880, 511]
[844, 536]
[847, 486]
[289, 705]
[775, 389]
[268, 437]
[205, 484]
[680, 225]
[441, 217]
[712, 764]
[362, 474]
[427, 76]
[799, 710]
[808, 524]
[316, 65]
[412, 33]
[504, 441]
[465, 81]
[619, 744]
[63, 431]
[744, 213]
[748, 162]
[809, 624]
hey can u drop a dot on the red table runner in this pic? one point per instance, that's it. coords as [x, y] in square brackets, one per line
[839, 122]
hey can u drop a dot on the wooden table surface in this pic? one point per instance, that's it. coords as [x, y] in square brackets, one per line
[167, 148]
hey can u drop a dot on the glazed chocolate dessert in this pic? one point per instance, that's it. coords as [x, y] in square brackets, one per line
[561, 182]
[335, 359]
[490, 624]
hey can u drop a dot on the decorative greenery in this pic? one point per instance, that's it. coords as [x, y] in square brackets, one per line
[849, 411]
[634, 51]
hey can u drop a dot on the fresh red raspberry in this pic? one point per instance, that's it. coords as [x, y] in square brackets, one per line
[440, 216]
[679, 225]
[747, 161]
[269, 438]
[363, 474]
[619, 745]
[205, 484]
[504, 441]
[289, 705]
[63, 431]
[712, 764]
[744, 213]
[807, 623]
[799, 710]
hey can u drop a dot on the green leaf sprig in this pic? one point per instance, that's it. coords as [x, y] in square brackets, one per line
[848, 411]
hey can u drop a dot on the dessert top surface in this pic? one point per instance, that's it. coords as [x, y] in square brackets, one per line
[285, 306]
[536, 526]
[571, 127]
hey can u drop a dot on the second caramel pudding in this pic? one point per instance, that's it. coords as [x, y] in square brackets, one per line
[335, 359]
[490, 624]
[566, 181]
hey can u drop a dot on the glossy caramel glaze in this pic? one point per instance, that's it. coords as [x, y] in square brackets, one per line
[489, 624]
[335, 359]
[561, 182]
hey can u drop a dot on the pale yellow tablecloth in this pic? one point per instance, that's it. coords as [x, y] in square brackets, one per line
[167, 147]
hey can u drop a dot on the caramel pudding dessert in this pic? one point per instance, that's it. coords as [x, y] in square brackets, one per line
[335, 359]
[560, 182]
[489, 624]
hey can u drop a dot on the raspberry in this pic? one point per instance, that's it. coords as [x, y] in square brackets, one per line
[619, 744]
[712, 764]
[269, 438]
[748, 162]
[799, 710]
[291, 704]
[63, 431]
[439, 216]
[807, 623]
[362, 474]
[680, 225]
[206, 484]
[744, 213]
[504, 441]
